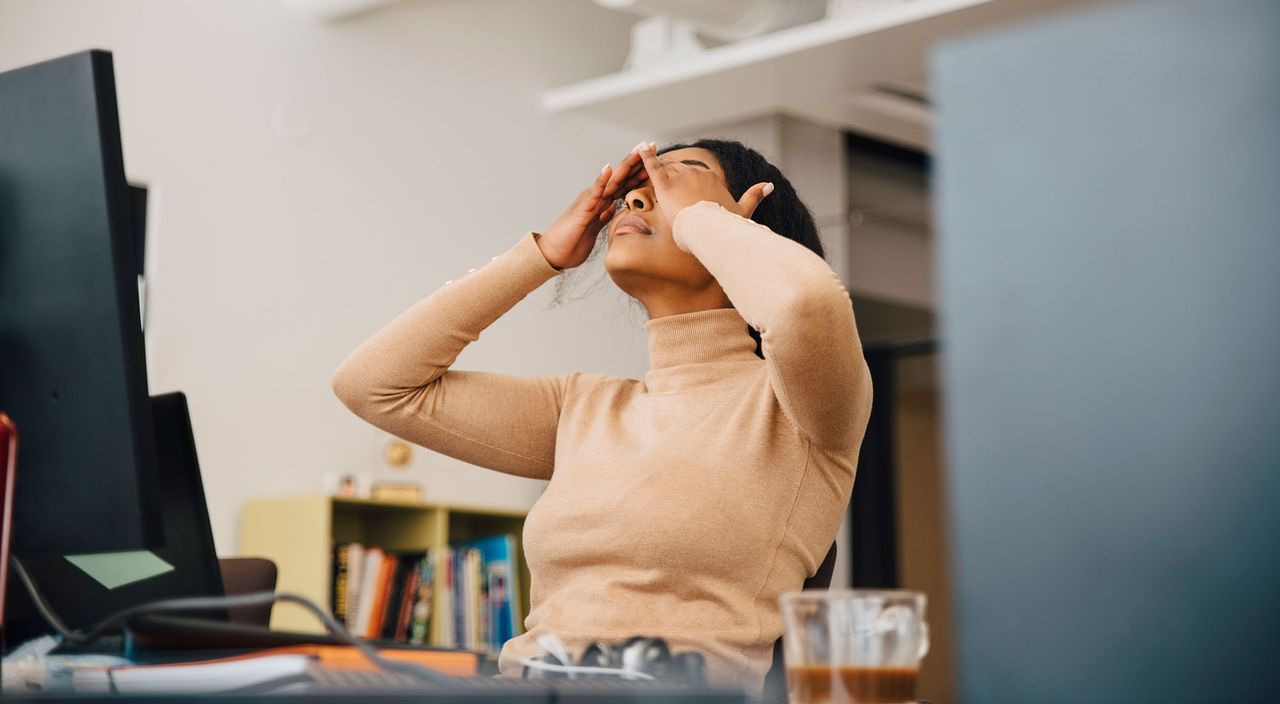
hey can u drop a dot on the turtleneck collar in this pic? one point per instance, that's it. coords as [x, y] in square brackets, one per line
[696, 349]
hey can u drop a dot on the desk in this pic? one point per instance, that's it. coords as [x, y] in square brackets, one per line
[515, 692]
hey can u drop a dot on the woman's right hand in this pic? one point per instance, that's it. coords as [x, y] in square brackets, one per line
[569, 240]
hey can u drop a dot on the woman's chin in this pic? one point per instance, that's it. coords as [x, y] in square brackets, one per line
[624, 267]
[623, 257]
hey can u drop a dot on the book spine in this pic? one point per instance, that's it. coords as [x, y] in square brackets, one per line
[338, 603]
[482, 603]
[407, 596]
[424, 606]
[396, 608]
[444, 614]
[382, 592]
[457, 599]
[495, 600]
[386, 627]
[368, 591]
[476, 637]
[355, 577]
[473, 623]
[464, 589]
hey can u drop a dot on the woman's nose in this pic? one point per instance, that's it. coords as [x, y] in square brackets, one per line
[640, 199]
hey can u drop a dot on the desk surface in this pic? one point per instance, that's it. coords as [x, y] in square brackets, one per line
[495, 691]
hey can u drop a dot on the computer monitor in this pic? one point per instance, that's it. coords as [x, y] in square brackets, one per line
[1108, 250]
[138, 229]
[72, 366]
[83, 594]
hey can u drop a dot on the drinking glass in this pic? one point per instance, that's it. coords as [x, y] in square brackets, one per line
[850, 646]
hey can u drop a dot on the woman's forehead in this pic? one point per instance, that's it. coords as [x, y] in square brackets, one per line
[696, 154]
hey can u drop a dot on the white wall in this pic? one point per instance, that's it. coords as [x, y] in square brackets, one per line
[310, 181]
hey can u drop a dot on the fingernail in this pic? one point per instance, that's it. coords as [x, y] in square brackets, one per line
[638, 147]
[605, 167]
[768, 188]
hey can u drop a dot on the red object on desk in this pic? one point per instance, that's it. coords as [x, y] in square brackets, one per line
[9, 467]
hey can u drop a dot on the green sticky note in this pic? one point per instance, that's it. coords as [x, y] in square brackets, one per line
[116, 569]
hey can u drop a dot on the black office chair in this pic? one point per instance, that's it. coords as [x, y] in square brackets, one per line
[775, 682]
[245, 575]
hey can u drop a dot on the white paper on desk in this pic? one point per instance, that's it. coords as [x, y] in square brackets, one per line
[191, 678]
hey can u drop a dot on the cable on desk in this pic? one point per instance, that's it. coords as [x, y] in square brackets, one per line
[207, 603]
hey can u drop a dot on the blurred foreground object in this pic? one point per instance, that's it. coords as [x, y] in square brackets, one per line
[1108, 244]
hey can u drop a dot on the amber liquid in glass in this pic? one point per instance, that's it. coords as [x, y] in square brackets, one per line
[851, 685]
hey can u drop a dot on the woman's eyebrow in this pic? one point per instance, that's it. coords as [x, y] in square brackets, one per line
[695, 162]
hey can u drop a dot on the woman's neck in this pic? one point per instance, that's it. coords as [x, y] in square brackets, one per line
[660, 306]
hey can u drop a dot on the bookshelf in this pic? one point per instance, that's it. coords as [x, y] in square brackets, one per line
[299, 533]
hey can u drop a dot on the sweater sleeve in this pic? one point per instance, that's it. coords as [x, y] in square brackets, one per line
[803, 313]
[399, 379]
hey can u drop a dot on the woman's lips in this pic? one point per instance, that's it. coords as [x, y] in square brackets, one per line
[631, 223]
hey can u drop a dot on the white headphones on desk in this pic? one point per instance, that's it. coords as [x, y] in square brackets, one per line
[637, 658]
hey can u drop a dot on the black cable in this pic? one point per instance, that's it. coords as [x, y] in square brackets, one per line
[208, 603]
[46, 612]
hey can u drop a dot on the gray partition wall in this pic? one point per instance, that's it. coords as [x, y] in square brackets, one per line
[1109, 258]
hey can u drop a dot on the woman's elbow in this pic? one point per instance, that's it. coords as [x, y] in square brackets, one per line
[371, 395]
[350, 387]
[821, 308]
[866, 393]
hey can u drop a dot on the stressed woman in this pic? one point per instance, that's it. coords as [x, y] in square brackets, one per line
[679, 505]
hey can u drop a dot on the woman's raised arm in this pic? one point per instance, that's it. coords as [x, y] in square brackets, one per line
[400, 379]
[803, 313]
[782, 289]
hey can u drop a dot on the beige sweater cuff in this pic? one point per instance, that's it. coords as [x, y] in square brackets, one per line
[531, 260]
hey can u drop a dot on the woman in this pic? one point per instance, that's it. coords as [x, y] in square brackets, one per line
[682, 504]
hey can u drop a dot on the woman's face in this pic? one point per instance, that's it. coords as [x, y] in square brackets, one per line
[641, 253]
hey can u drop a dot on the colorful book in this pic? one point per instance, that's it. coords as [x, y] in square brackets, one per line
[408, 596]
[471, 571]
[395, 589]
[386, 570]
[368, 590]
[458, 569]
[338, 605]
[464, 595]
[355, 575]
[424, 600]
[448, 630]
[495, 591]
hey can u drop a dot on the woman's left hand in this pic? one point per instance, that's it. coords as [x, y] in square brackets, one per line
[677, 186]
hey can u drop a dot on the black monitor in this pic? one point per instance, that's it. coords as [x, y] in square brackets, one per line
[72, 366]
[138, 230]
[185, 566]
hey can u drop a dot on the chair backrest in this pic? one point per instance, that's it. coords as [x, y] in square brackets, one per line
[245, 575]
[775, 682]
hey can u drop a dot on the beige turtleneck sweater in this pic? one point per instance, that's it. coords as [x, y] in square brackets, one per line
[679, 505]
